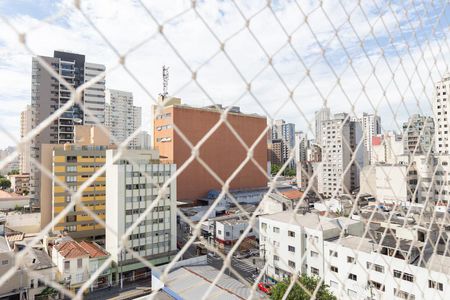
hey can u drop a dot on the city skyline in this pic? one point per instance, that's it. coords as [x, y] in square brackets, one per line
[227, 87]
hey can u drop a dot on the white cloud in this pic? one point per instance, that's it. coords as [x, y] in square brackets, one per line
[126, 23]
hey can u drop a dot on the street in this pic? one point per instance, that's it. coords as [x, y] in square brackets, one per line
[244, 267]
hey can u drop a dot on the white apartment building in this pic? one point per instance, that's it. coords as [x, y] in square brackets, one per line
[441, 111]
[122, 118]
[371, 126]
[324, 114]
[25, 128]
[295, 242]
[352, 266]
[301, 139]
[133, 183]
[94, 95]
[387, 148]
[229, 228]
[341, 140]
[358, 268]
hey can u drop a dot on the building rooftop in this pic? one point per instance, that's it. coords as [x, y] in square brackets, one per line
[70, 249]
[4, 247]
[292, 194]
[356, 243]
[191, 282]
[93, 249]
[40, 260]
[309, 220]
[439, 263]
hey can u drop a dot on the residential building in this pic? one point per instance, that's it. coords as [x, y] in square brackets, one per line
[284, 132]
[221, 151]
[441, 113]
[342, 156]
[20, 184]
[13, 165]
[229, 228]
[73, 164]
[133, 184]
[25, 128]
[277, 152]
[324, 114]
[77, 261]
[292, 242]
[24, 284]
[371, 126]
[301, 139]
[146, 140]
[122, 118]
[49, 94]
[418, 135]
[388, 265]
[387, 148]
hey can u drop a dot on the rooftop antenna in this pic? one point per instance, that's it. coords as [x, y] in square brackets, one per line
[165, 74]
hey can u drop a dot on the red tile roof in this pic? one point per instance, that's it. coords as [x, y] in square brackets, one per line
[70, 249]
[93, 249]
[292, 194]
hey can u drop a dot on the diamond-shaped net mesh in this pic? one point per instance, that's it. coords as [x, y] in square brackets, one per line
[370, 218]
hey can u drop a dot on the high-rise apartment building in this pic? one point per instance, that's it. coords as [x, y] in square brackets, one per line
[73, 164]
[301, 139]
[387, 148]
[340, 144]
[371, 126]
[418, 135]
[323, 114]
[221, 151]
[25, 128]
[286, 133]
[133, 183]
[122, 118]
[441, 110]
[48, 94]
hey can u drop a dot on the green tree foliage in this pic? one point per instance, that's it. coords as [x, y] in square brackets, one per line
[4, 183]
[298, 293]
[287, 172]
[13, 172]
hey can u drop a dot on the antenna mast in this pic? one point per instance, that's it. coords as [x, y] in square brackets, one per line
[165, 74]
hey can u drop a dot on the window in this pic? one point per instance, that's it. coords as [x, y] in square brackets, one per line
[4, 262]
[376, 285]
[404, 276]
[276, 258]
[314, 254]
[352, 277]
[291, 264]
[377, 268]
[79, 263]
[227, 233]
[435, 285]
[291, 248]
[291, 233]
[71, 168]
[276, 230]
[219, 231]
[333, 253]
[66, 265]
[264, 226]
[403, 295]
[71, 178]
[314, 271]
[334, 269]
[350, 259]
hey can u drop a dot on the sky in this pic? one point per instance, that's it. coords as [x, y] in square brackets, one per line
[282, 59]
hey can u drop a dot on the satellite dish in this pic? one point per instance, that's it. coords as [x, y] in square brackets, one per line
[77, 120]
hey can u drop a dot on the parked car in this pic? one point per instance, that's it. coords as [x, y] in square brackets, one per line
[254, 252]
[243, 254]
[264, 287]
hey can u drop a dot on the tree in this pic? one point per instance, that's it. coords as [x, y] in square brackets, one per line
[4, 183]
[298, 292]
[289, 172]
[274, 169]
[13, 172]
